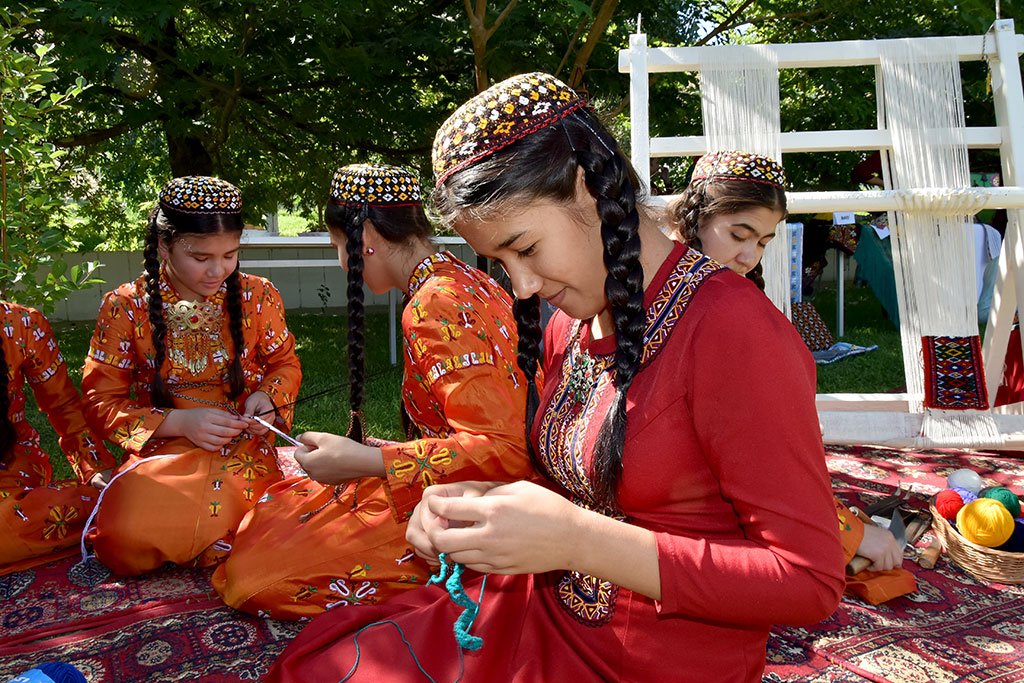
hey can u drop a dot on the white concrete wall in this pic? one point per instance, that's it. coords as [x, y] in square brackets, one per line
[300, 287]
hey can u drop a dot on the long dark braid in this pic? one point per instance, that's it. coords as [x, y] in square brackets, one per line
[607, 176]
[527, 315]
[356, 324]
[236, 378]
[168, 224]
[8, 436]
[158, 390]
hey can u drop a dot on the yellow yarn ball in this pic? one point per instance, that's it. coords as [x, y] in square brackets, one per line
[986, 522]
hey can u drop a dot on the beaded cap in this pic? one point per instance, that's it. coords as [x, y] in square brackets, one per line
[201, 194]
[497, 117]
[733, 165]
[375, 185]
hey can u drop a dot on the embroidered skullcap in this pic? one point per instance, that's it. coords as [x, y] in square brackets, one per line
[733, 165]
[497, 117]
[201, 194]
[375, 185]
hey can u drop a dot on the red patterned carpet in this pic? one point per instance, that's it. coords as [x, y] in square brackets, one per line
[169, 626]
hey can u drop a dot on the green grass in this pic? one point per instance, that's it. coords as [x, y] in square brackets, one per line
[877, 371]
[321, 341]
[292, 224]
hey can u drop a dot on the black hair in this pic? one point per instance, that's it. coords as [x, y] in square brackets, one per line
[396, 224]
[168, 225]
[546, 164]
[706, 197]
[8, 435]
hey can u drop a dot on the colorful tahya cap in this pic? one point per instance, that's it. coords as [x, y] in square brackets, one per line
[201, 194]
[375, 185]
[499, 116]
[732, 165]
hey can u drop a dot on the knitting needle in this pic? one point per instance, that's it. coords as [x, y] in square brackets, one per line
[277, 431]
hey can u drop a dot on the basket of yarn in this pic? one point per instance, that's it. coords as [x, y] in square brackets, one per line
[979, 528]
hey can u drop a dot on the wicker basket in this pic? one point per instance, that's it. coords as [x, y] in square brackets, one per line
[986, 564]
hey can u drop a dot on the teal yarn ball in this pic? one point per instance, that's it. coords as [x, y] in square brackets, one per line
[1005, 496]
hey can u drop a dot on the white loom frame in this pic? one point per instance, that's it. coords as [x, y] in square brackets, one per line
[882, 419]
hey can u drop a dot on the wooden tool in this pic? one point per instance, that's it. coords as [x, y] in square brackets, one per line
[930, 555]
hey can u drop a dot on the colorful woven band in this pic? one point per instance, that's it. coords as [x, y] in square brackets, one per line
[201, 194]
[497, 117]
[375, 185]
[733, 165]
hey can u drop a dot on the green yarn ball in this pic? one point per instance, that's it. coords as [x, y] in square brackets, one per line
[1005, 496]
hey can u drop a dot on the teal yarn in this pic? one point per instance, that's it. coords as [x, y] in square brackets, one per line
[453, 583]
[1005, 496]
[451, 574]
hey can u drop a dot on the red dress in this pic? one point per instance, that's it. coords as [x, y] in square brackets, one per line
[723, 462]
[303, 550]
[42, 519]
[173, 501]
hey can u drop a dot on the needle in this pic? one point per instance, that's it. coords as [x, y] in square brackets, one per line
[277, 431]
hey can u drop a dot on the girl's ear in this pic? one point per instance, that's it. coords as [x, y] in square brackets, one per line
[586, 203]
[371, 238]
[163, 248]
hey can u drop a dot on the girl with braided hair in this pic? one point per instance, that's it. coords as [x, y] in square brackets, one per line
[180, 360]
[686, 505]
[729, 211]
[41, 518]
[337, 538]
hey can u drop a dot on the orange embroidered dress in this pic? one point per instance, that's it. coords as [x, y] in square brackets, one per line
[463, 390]
[182, 504]
[41, 519]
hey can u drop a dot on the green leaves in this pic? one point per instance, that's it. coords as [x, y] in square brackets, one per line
[33, 199]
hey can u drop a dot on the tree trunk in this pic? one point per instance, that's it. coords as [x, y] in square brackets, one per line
[597, 29]
[188, 156]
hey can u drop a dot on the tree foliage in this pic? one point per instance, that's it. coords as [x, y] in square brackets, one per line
[275, 95]
[35, 180]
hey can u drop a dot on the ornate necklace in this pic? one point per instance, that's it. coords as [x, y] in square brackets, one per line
[584, 372]
[195, 332]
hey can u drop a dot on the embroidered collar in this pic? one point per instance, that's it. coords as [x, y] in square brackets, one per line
[425, 269]
[170, 295]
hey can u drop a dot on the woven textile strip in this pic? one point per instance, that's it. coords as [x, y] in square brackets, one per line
[953, 373]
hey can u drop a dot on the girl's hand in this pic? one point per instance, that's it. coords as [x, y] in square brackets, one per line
[333, 459]
[518, 528]
[423, 522]
[208, 428]
[101, 479]
[260, 404]
[880, 546]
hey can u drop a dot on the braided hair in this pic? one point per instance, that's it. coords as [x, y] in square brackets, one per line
[8, 436]
[546, 165]
[707, 197]
[167, 225]
[396, 224]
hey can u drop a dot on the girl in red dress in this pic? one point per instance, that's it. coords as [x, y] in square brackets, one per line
[686, 506]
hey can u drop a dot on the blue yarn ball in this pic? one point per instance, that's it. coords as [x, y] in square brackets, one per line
[51, 672]
[967, 494]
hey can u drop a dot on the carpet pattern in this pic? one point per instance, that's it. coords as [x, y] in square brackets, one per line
[169, 625]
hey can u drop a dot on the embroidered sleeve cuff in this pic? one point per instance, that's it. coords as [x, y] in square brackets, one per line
[136, 429]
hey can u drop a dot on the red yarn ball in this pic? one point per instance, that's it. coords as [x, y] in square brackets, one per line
[948, 503]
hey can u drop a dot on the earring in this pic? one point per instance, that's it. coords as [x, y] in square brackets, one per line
[369, 252]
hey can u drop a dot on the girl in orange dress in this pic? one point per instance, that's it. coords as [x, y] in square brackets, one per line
[41, 519]
[338, 537]
[180, 358]
[729, 211]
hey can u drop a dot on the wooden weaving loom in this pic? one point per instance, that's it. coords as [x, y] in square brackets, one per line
[950, 405]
